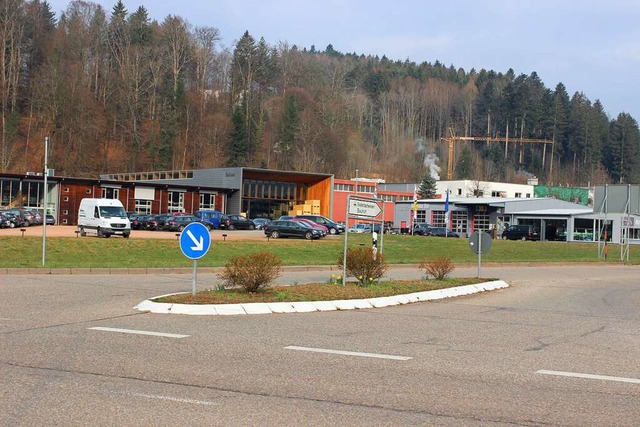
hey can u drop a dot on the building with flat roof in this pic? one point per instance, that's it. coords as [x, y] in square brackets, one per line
[64, 195]
[257, 193]
[556, 219]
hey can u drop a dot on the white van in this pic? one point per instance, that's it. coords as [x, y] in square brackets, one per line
[103, 217]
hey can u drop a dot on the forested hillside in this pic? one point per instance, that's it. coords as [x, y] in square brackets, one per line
[117, 92]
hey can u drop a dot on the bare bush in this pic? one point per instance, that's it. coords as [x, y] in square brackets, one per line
[439, 268]
[364, 265]
[252, 272]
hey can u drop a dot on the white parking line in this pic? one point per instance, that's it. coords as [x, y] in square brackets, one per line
[589, 376]
[132, 331]
[348, 353]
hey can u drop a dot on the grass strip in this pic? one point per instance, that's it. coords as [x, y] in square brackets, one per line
[91, 252]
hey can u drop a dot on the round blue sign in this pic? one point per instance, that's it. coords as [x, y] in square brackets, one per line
[195, 240]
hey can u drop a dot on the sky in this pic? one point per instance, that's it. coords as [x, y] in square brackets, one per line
[590, 46]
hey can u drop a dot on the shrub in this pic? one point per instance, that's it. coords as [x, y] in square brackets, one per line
[252, 272]
[364, 265]
[439, 268]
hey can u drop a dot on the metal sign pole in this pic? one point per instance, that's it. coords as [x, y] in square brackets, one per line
[346, 237]
[479, 250]
[193, 277]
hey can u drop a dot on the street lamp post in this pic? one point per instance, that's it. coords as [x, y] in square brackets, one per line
[356, 181]
[44, 201]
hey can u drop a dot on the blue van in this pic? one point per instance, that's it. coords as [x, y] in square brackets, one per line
[215, 219]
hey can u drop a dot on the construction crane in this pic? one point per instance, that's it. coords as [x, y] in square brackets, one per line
[452, 138]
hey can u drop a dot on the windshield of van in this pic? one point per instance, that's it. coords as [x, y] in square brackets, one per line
[112, 211]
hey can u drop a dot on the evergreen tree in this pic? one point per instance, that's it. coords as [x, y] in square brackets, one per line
[427, 189]
[287, 131]
[464, 169]
[140, 28]
[622, 154]
[237, 148]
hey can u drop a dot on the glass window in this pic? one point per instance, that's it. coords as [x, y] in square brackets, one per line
[175, 202]
[459, 221]
[207, 201]
[481, 221]
[437, 219]
[143, 206]
[110, 193]
[343, 187]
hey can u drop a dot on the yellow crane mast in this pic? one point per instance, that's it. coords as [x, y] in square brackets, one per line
[452, 138]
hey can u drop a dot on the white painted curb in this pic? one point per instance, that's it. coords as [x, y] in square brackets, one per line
[311, 306]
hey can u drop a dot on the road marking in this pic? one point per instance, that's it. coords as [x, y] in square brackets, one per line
[6, 318]
[348, 353]
[589, 376]
[132, 331]
[169, 398]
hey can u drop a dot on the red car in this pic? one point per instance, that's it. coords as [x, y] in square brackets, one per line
[323, 229]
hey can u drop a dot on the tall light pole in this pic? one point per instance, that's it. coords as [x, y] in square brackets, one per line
[356, 181]
[44, 201]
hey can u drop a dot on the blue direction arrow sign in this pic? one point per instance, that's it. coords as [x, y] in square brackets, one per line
[195, 240]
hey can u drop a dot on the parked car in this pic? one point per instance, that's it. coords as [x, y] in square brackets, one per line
[179, 222]
[321, 228]
[23, 217]
[521, 232]
[11, 221]
[421, 229]
[37, 217]
[51, 220]
[139, 222]
[441, 232]
[239, 222]
[261, 222]
[161, 221]
[134, 219]
[360, 228]
[6, 221]
[334, 227]
[290, 228]
[215, 219]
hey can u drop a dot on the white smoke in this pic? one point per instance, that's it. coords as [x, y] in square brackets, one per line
[430, 160]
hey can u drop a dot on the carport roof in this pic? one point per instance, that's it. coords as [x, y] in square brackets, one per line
[533, 206]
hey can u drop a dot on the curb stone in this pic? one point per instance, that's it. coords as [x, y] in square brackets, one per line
[314, 306]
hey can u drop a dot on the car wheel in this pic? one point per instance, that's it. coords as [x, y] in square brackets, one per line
[252, 227]
[100, 233]
[180, 228]
[333, 231]
[523, 238]
[275, 234]
[232, 227]
[308, 235]
[82, 232]
[125, 235]
[12, 225]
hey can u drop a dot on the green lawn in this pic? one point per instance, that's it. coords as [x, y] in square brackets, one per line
[116, 252]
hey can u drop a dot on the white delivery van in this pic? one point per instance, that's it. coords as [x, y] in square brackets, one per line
[103, 217]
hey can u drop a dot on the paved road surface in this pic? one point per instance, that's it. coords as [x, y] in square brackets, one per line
[561, 347]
